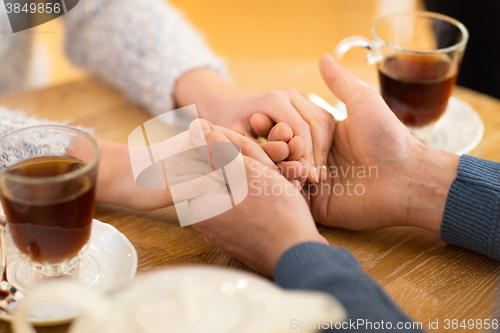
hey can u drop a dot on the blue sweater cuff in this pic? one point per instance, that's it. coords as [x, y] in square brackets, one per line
[315, 266]
[471, 216]
[298, 265]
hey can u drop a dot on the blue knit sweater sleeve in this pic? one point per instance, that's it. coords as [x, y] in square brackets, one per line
[315, 266]
[471, 216]
[471, 219]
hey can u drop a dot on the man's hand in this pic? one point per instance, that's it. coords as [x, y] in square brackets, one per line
[272, 218]
[379, 174]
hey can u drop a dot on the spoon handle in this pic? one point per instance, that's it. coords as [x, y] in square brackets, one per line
[338, 115]
[3, 245]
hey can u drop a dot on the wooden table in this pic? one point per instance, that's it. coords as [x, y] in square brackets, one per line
[429, 279]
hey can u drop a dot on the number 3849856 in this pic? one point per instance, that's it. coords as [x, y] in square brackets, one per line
[33, 8]
[470, 324]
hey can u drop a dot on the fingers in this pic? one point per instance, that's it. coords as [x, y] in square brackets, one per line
[193, 188]
[248, 133]
[293, 170]
[296, 183]
[303, 176]
[203, 132]
[301, 128]
[283, 133]
[278, 137]
[322, 126]
[261, 124]
[213, 134]
[340, 81]
[248, 147]
[280, 109]
[238, 130]
[314, 125]
[279, 151]
[297, 148]
[280, 132]
[276, 150]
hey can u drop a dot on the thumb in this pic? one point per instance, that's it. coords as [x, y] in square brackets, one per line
[347, 87]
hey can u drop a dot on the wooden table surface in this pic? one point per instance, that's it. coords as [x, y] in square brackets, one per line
[429, 279]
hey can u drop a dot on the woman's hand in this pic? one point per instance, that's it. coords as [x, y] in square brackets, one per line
[227, 105]
[116, 184]
[286, 150]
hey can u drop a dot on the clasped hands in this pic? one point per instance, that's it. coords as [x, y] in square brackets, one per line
[377, 175]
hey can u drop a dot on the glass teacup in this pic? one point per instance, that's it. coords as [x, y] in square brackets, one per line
[418, 55]
[47, 189]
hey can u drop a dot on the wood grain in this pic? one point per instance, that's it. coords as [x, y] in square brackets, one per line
[429, 279]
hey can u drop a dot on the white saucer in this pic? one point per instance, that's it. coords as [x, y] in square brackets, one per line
[212, 300]
[189, 299]
[460, 128]
[117, 260]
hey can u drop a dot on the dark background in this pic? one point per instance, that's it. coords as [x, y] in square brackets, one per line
[480, 68]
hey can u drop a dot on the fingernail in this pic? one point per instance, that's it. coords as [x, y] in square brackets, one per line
[206, 128]
[315, 174]
[200, 129]
[323, 173]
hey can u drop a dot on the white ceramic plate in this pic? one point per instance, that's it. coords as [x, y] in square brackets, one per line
[212, 300]
[460, 128]
[117, 260]
[190, 299]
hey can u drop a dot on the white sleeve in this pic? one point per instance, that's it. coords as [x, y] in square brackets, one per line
[141, 47]
[15, 53]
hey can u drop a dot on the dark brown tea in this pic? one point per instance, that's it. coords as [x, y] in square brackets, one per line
[417, 87]
[52, 223]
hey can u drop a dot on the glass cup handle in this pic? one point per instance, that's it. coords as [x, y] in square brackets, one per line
[3, 242]
[373, 56]
[95, 307]
[3, 219]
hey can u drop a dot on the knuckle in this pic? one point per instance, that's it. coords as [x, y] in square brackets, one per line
[323, 150]
[253, 149]
[272, 95]
[323, 118]
[248, 146]
[302, 127]
[274, 98]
